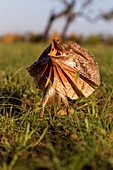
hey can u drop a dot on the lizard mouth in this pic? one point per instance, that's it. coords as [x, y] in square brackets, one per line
[56, 49]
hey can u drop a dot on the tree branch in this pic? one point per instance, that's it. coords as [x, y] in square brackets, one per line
[88, 18]
[108, 16]
[85, 4]
[66, 12]
[68, 22]
[70, 15]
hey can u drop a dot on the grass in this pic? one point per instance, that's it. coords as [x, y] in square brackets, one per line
[81, 141]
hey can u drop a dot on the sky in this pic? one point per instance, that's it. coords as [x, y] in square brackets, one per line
[21, 16]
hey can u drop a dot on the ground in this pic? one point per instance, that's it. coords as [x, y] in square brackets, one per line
[82, 140]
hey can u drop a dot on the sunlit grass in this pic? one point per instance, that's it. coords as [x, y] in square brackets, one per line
[79, 141]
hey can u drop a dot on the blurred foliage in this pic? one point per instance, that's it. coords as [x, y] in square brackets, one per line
[34, 37]
[10, 37]
[94, 39]
[55, 35]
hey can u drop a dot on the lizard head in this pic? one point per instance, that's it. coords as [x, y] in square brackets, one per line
[57, 48]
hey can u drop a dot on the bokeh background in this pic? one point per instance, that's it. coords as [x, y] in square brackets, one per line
[33, 19]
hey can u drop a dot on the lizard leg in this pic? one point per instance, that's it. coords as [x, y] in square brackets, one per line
[48, 95]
